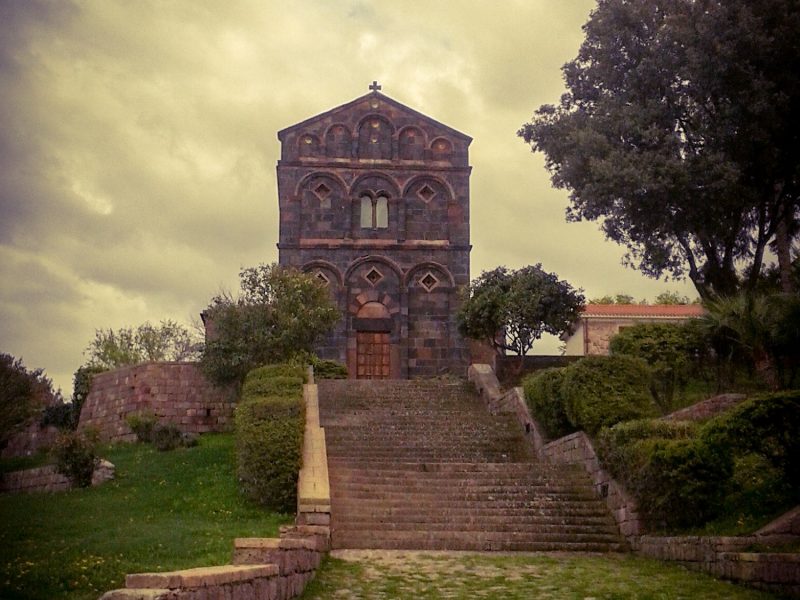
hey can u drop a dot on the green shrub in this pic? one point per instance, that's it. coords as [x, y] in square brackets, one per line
[543, 397]
[166, 436]
[271, 386]
[270, 420]
[142, 425]
[756, 487]
[614, 444]
[76, 456]
[686, 480]
[677, 478]
[767, 425]
[669, 350]
[278, 370]
[601, 391]
[61, 415]
[329, 369]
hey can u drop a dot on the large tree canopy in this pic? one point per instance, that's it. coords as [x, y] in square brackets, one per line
[679, 132]
[510, 310]
[279, 313]
[168, 340]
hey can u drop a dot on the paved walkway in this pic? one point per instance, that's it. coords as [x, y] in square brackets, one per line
[405, 574]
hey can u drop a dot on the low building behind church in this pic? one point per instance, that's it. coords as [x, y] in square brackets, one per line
[598, 323]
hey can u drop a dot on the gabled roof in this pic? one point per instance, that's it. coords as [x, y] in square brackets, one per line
[677, 311]
[375, 94]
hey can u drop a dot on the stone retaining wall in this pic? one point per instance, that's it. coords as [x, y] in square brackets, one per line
[31, 440]
[706, 409]
[176, 392]
[40, 479]
[263, 568]
[727, 558]
[578, 448]
[47, 479]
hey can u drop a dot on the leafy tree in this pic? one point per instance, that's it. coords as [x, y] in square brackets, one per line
[672, 298]
[512, 309]
[112, 349]
[615, 299]
[670, 350]
[678, 133]
[278, 313]
[23, 395]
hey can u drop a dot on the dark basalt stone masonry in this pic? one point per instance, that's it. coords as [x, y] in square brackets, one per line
[374, 200]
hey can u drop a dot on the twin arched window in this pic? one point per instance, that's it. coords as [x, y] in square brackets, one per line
[374, 212]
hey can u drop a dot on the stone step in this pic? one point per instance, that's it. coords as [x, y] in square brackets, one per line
[445, 468]
[542, 532]
[489, 521]
[347, 507]
[477, 493]
[468, 540]
[423, 465]
[418, 479]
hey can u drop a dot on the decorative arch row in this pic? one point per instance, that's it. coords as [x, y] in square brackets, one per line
[426, 276]
[323, 184]
[374, 205]
[375, 138]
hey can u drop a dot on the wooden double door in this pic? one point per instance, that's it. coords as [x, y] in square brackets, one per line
[372, 355]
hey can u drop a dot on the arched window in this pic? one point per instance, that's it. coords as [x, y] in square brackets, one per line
[382, 212]
[366, 212]
[374, 212]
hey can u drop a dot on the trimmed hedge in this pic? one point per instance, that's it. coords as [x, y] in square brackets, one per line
[601, 391]
[543, 397]
[270, 420]
[329, 369]
[744, 462]
[677, 478]
[768, 425]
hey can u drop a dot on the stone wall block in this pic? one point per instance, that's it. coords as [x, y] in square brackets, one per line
[166, 389]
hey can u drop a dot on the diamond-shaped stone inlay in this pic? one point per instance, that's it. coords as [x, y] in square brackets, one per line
[428, 281]
[322, 278]
[322, 191]
[426, 193]
[373, 276]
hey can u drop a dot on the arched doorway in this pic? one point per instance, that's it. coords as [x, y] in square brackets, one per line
[373, 325]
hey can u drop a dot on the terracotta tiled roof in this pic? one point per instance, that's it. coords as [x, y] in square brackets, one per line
[644, 310]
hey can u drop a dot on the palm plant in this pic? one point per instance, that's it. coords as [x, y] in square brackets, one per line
[765, 327]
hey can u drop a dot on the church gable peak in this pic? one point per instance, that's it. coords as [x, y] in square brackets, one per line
[373, 119]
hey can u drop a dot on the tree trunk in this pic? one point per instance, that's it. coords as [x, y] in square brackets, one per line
[783, 245]
[767, 369]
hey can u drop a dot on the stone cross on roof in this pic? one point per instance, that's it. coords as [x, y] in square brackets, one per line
[374, 87]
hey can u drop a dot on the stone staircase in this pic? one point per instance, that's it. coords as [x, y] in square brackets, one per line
[423, 465]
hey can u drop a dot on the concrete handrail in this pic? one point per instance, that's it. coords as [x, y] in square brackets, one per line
[313, 486]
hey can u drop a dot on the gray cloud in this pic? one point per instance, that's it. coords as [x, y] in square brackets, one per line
[138, 144]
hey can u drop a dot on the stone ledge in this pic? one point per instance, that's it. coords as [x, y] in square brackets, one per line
[200, 576]
[140, 594]
[259, 543]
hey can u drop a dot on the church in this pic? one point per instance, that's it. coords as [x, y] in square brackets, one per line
[374, 202]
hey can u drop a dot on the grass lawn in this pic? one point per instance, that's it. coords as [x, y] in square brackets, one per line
[419, 575]
[164, 510]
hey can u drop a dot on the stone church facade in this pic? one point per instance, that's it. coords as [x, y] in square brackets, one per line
[374, 201]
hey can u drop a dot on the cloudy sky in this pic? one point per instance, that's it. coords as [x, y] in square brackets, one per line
[138, 146]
